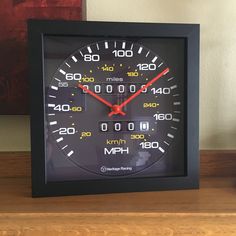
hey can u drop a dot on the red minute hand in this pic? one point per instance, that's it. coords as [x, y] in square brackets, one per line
[97, 97]
[117, 108]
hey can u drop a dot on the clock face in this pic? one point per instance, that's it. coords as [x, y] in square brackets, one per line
[114, 107]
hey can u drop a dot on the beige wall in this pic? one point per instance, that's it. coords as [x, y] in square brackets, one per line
[14, 133]
[218, 63]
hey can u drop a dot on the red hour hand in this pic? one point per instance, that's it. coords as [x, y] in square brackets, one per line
[118, 108]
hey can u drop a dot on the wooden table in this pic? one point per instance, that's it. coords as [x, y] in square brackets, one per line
[208, 211]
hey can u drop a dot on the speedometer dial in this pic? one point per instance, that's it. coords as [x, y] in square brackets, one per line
[114, 107]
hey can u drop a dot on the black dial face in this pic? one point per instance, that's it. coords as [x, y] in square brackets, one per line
[114, 107]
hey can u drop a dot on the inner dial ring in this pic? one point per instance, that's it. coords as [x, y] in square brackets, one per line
[113, 73]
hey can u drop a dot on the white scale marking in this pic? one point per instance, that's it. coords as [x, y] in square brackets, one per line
[176, 103]
[160, 65]
[97, 46]
[67, 64]
[140, 50]
[51, 114]
[170, 135]
[173, 87]
[55, 131]
[172, 127]
[177, 111]
[166, 143]
[170, 78]
[74, 58]
[70, 153]
[54, 87]
[175, 119]
[115, 44]
[53, 123]
[147, 53]
[106, 45]
[123, 45]
[132, 45]
[81, 53]
[51, 96]
[89, 49]
[175, 95]
[59, 139]
[64, 147]
[154, 59]
[161, 149]
[62, 71]
[57, 79]
[51, 105]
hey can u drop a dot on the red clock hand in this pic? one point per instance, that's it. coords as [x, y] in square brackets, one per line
[98, 97]
[117, 108]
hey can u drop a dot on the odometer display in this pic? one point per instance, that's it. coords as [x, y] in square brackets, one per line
[114, 107]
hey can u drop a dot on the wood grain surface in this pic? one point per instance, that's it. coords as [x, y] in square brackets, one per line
[208, 211]
[153, 224]
[213, 163]
[216, 195]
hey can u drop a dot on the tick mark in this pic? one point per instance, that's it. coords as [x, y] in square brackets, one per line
[51, 105]
[174, 86]
[62, 71]
[53, 123]
[170, 135]
[106, 45]
[123, 45]
[54, 87]
[70, 153]
[154, 59]
[59, 140]
[89, 49]
[74, 58]
[140, 50]
[176, 120]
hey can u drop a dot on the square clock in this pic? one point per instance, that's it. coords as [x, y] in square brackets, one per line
[114, 107]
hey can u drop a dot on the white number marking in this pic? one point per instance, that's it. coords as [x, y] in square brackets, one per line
[104, 127]
[121, 88]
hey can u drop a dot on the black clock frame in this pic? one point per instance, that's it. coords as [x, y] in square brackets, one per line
[36, 30]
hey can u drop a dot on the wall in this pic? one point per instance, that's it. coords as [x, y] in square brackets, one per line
[218, 53]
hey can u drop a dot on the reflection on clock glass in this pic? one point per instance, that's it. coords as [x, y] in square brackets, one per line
[114, 107]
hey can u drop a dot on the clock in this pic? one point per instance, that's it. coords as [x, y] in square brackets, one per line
[114, 106]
